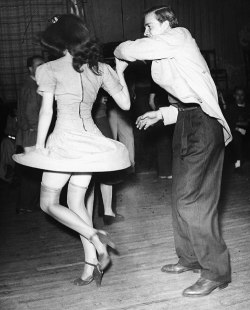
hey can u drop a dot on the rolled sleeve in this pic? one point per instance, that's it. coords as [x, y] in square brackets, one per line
[169, 115]
[157, 47]
[45, 79]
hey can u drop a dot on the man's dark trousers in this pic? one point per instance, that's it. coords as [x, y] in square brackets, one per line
[198, 154]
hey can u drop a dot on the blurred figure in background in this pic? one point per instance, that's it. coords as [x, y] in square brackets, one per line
[29, 104]
[121, 123]
[99, 114]
[163, 134]
[238, 117]
[8, 146]
[221, 99]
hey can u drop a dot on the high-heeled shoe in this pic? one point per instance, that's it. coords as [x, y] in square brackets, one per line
[97, 276]
[105, 239]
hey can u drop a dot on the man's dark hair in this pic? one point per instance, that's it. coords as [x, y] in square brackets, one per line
[236, 88]
[30, 60]
[163, 13]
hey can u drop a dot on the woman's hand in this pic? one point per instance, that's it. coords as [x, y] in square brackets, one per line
[120, 65]
[28, 149]
[38, 149]
[147, 119]
[41, 150]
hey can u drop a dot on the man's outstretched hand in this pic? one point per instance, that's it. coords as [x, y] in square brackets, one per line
[148, 119]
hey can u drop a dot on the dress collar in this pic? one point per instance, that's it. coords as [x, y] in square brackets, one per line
[68, 55]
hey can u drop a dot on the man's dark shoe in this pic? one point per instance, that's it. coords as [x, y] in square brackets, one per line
[203, 287]
[177, 268]
[108, 219]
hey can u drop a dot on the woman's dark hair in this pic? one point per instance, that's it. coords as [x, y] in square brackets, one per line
[163, 13]
[69, 32]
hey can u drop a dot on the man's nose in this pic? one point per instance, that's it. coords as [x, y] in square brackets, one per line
[146, 33]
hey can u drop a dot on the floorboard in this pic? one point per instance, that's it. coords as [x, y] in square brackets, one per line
[40, 258]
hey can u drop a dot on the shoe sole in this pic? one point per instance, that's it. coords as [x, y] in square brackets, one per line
[220, 287]
[178, 272]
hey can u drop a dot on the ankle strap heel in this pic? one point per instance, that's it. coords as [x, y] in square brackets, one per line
[104, 238]
[96, 275]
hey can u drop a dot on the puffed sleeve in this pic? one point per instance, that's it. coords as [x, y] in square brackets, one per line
[110, 83]
[45, 79]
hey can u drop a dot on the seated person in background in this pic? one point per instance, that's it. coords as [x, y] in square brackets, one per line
[238, 117]
[100, 118]
[29, 105]
[163, 134]
[8, 147]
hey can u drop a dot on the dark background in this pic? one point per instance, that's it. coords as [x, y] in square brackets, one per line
[214, 24]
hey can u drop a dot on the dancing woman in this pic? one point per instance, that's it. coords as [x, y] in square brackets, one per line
[76, 148]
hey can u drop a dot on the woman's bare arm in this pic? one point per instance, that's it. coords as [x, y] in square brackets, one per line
[45, 116]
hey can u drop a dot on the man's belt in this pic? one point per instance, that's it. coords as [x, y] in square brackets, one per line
[187, 107]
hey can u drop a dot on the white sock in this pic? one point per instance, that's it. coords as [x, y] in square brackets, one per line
[237, 164]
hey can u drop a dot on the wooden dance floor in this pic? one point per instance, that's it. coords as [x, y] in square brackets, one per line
[40, 258]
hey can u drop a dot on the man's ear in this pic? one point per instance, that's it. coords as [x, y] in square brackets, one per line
[30, 70]
[166, 25]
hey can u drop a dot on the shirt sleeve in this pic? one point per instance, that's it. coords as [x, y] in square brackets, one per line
[45, 79]
[169, 114]
[110, 83]
[156, 47]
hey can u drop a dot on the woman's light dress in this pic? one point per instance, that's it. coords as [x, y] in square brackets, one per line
[76, 144]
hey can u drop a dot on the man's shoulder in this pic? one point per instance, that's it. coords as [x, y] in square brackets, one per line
[28, 82]
[177, 31]
[174, 35]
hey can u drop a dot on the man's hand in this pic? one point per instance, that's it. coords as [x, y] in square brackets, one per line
[148, 119]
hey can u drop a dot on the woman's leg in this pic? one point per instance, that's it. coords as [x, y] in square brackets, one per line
[75, 199]
[90, 198]
[52, 184]
[107, 191]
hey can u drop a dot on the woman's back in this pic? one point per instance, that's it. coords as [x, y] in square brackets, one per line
[75, 92]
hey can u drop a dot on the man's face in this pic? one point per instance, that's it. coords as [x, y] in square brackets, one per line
[239, 96]
[153, 26]
[36, 63]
